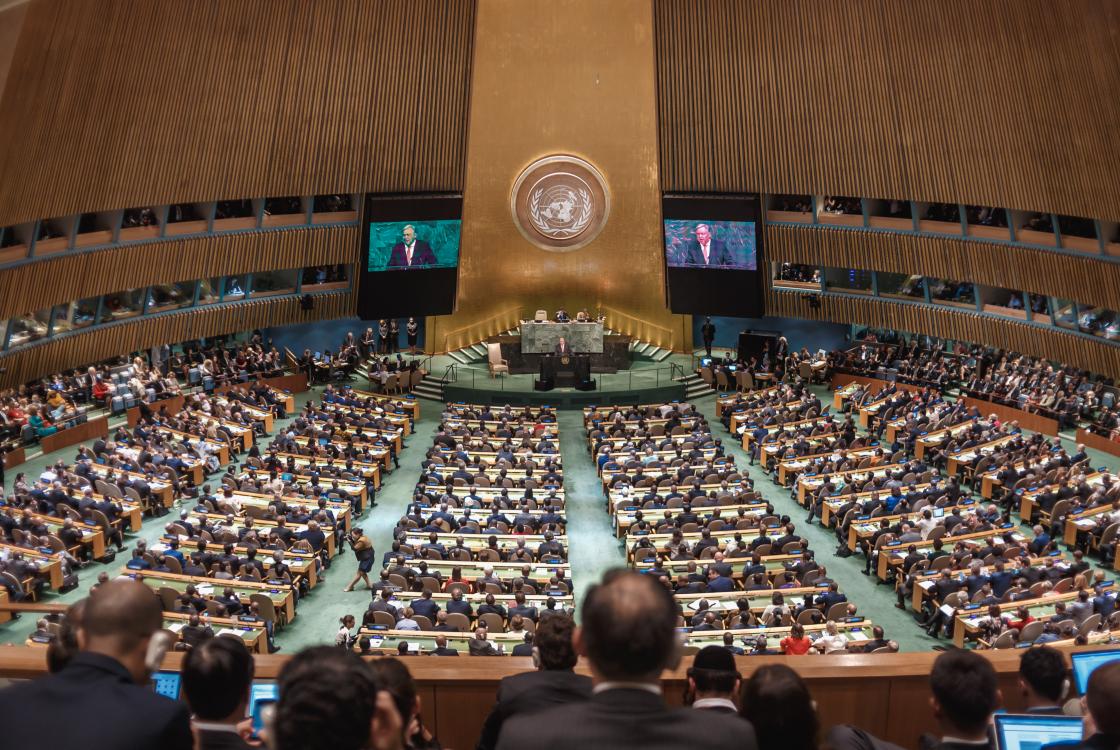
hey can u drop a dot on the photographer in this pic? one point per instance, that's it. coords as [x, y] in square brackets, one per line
[363, 551]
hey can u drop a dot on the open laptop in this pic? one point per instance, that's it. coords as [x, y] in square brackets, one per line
[167, 684]
[1084, 662]
[1033, 732]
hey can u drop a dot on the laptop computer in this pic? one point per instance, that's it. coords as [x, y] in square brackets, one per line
[1032, 731]
[1084, 662]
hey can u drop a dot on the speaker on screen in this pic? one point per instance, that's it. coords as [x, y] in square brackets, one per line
[409, 255]
[713, 254]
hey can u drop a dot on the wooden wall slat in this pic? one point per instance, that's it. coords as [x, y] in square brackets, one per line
[102, 343]
[948, 323]
[1006, 103]
[34, 286]
[116, 103]
[1085, 279]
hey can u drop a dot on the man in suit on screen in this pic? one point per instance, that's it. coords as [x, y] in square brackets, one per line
[563, 347]
[411, 252]
[707, 252]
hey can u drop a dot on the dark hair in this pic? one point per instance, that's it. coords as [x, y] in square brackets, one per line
[554, 642]
[62, 648]
[776, 701]
[1044, 669]
[216, 677]
[397, 680]
[327, 699]
[1103, 697]
[964, 684]
[629, 626]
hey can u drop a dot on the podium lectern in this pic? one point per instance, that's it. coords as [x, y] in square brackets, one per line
[565, 371]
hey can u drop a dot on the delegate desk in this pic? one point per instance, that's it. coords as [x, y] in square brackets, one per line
[92, 534]
[490, 458]
[302, 564]
[340, 508]
[989, 480]
[162, 490]
[773, 450]
[282, 597]
[262, 526]
[564, 602]
[218, 449]
[362, 435]
[131, 511]
[399, 421]
[252, 635]
[658, 541]
[856, 629]
[405, 405]
[924, 581]
[830, 506]
[806, 483]
[937, 437]
[788, 427]
[865, 527]
[368, 471]
[378, 451]
[1029, 499]
[964, 458]
[304, 483]
[385, 642]
[489, 495]
[239, 431]
[776, 566]
[970, 619]
[479, 544]
[624, 518]
[47, 563]
[791, 468]
[892, 554]
[758, 600]
[472, 570]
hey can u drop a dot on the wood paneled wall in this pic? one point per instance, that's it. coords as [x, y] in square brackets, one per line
[103, 342]
[119, 103]
[951, 323]
[994, 102]
[34, 286]
[1084, 279]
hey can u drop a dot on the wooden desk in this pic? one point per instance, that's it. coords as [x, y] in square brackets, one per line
[788, 427]
[1029, 498]
[886, 695]
[88, 430]
[368, 471]
[1026, 419]
[254, 637]
[624, 519]
[14, 457]
[811, 482]
[47, 565]
[968, 620]
[173, 405]
[263, 526]
[282, 597]
[406, 405]
[1098, 442]
[965, 457]
[380, 453]
[788, 470]
[891, 555]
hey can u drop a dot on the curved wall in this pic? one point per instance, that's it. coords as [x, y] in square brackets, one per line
[115, 104]
[989, 102]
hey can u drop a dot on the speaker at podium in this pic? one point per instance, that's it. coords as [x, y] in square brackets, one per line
[565, 371]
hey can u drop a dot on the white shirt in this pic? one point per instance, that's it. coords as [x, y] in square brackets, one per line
[706, 250]
[705, 703]
[602, 687]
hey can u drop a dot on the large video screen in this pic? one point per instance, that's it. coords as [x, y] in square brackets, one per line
[413, 245]
[410, 255]
[713, 254]
[710, 244]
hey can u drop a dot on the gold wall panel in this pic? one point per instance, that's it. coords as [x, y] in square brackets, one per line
[36, 285]
[122, 103]
[101, 343]
[994, 102]
[1098, 357]
[561, 76]
[1085, 279]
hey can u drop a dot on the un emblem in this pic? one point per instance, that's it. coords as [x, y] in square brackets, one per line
[560, 203]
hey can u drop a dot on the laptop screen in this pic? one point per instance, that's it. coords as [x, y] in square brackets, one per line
[167, 684]
[1030, 732]
[1086, 661]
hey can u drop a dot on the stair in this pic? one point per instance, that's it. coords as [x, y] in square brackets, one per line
[461, 356]
[695, 387]
[430, 388]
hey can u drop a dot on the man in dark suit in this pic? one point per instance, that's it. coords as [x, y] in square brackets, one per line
[628, 637]
[713, 680]
[705, 251]
[411, 252]
[1042, 680]
[708, 334]
[563, 347]
[1102, 700]
[553, 684]
[103, 688]
[441, 648]
[216, 679]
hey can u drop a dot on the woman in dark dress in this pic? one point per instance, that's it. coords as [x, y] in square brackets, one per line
[394, 336]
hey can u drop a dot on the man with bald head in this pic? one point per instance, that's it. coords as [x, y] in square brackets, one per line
[100, 699]
[628, 636]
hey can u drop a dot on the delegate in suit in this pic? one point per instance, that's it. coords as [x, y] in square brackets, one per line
[411, 252]
[707, 252]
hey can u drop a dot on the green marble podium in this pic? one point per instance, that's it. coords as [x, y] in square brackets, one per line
[541, 338]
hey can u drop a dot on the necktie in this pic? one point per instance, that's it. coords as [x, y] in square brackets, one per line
[408, 255]
[705, 249]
